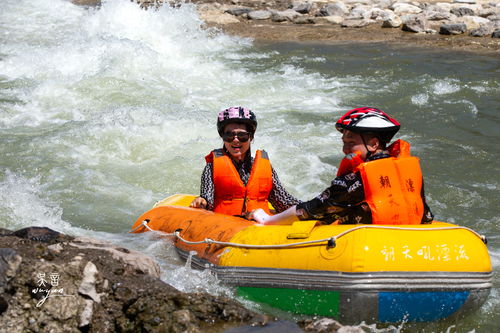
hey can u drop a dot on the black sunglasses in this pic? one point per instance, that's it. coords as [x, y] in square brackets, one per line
[242, 136]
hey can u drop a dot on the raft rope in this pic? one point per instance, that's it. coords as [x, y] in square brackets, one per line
[331, 242]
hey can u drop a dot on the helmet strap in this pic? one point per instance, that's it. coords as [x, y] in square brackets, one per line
[368, 152]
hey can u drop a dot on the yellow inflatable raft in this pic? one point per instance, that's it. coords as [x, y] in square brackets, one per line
[350, 272]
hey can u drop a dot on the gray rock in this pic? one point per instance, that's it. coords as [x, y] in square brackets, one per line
[415, 23]
[404, 8]
[356, 23]
[101, 295]
[334, 19]
[462, 11]
[473, 22]
[383, 4]
[487, 12]
[9, 263]
[302, 7]
[482, 31]
[304, 20]
[438, 16]
[496, 34]
[494, 17]
[393, 22]
[134, 259]
[41, 234]
[360, 12]
[442, 7]
[465, 1]
[334, 9]
[237, 11]
[259, 15]
[286, 15]
[355, 2]
[452, 29]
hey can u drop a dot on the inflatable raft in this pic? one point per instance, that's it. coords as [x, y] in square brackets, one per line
[350, 272]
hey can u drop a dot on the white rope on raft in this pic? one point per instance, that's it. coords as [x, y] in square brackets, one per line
[330, 241]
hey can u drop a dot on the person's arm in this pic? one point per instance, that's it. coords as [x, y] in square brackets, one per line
[207, 190]
[344, 192]
[279, 197]
[287, 217]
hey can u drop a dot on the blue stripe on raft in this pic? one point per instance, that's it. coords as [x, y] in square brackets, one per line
[419, 306]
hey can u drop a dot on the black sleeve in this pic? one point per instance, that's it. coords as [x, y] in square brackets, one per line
[336, 202]
[279, 197]
[428, 217]
[207, 188]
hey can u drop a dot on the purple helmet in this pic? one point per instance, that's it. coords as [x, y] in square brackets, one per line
[236, 114]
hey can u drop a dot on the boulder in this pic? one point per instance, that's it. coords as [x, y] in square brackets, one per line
[259, 15]
[482, 31]
[393, 22]
[453, 29]
[237, 11]
[496, 34]
[98, 291]
[356, 23]
[462, 11]
[360, 12]
[473, 22]
[404, 8]
[415, 23]
[334, 19]
[333, 9]
[304, 20]
[438, 15]
[285, 15]
[302, 7]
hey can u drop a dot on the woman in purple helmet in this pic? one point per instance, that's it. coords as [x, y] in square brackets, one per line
[376, 183]
[233, 182]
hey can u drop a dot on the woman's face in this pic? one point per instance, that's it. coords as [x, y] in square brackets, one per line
[235, 147]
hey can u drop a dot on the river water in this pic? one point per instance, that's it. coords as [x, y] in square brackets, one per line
[104, 112]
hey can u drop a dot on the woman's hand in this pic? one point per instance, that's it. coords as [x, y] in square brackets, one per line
[199, 202]
[259, 215]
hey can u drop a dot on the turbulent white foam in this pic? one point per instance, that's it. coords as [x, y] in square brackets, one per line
[23, 203]
[445, 87]
[420, 99]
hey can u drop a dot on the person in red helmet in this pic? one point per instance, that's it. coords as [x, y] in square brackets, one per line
[376, 183]
[233, 182]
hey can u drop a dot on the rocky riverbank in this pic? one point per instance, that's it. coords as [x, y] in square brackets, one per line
[50, 282]
[55, 283]
[472, 25]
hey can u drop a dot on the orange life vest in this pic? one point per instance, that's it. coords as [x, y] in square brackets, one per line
[232, 197]
[393, 186]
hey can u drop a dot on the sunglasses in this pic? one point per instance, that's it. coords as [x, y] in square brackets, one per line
[242, 136]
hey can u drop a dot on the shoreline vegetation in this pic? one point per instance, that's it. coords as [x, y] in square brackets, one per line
[454, 25]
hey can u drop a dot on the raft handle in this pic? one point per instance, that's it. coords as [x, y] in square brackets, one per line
[331, 243]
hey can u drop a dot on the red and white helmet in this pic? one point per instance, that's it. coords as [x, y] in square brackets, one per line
[236, 114]
[369, 120]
